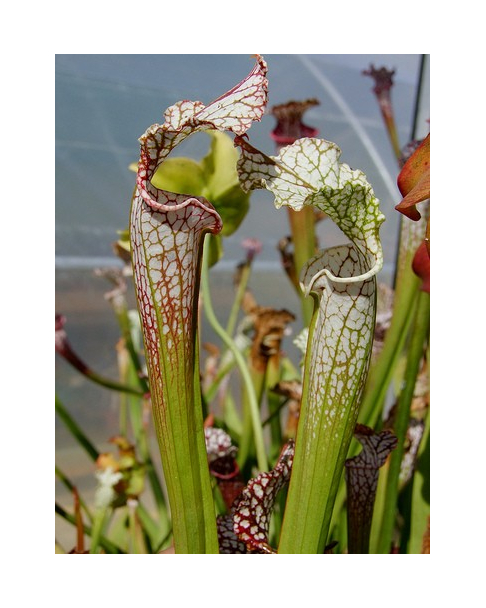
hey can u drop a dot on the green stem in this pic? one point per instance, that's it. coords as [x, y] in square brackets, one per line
[240, 292]
[402, 417]
[111, 384]
[121, 312]
[76, 431]
[379, 507]
[247, 438]
[184, 459]
[72, 358]
[392, 134]
[211, 535]
[97, 530]
[211, 391]
[125, 369]
[274, 407]
[302, 227]
[245, 373]
[222, 372]
[135, 531]
[122, 417]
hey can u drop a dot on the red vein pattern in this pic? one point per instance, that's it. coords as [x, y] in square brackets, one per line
[341, 339]
[308, 172]
[234, 111]
[167, 228]
[251, 517]
[165, 249]
[228, 541]
[222, 464]
[166, 233]
[362, 480]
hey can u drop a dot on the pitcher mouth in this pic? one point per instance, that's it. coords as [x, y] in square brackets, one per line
[164, 201]
[321, 267]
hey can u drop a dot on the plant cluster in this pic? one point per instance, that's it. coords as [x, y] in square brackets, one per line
[309, 458]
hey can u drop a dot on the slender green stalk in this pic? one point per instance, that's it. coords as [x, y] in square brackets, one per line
[221, 374]
[125, 370]
[231, 416]
[122, 417]
[269, 326]
[245, 373]
[223, 371]
[245, 274]
[302, 227]
[275, 404]
[157, 492]
[99, 522]
[75, 430]
[64, 348]
[247, 437]
[415, 354]
[379, 508]
[123, 318]
[137, 545]
[111, 384]
[393, 134]
[274, 407]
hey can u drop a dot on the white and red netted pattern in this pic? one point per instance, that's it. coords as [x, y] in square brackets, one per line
[252, 512]
[167, 230]
[218, 444]
[234, 111]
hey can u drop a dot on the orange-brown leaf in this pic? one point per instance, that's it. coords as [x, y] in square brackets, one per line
[414, 181]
